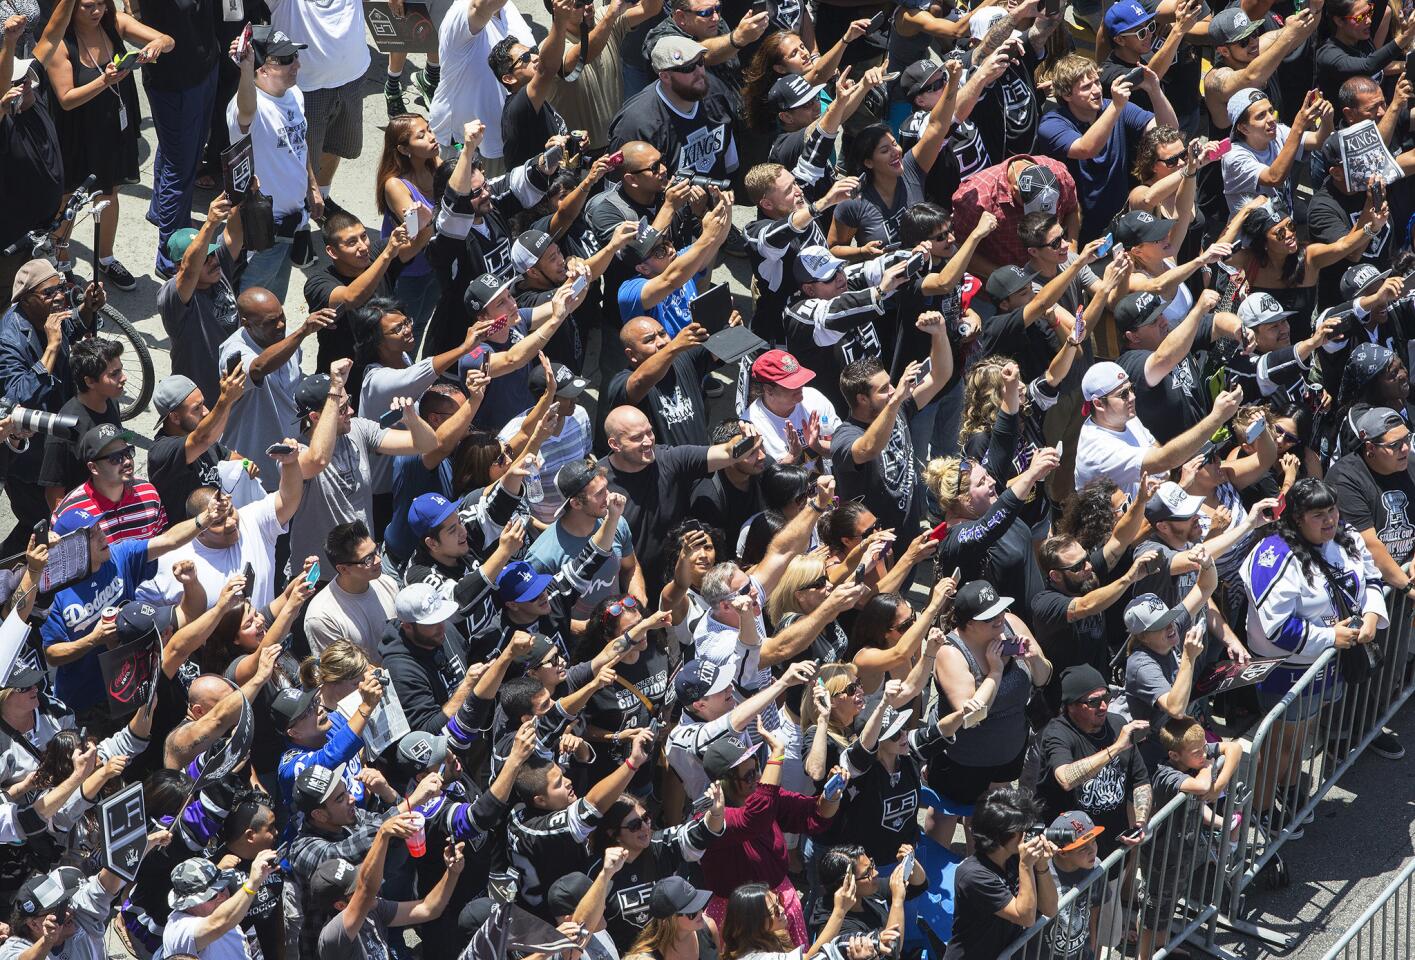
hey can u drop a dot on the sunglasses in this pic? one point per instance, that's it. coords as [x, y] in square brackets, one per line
[872, 528]
[965, 473]
[1173, 161]
[474, 194]
[637, 823]
[284, 60]
[1393, 445]
[1141, 31]
[908, 622]
[688, 68]
[523, 59]
[819, 583]
[367, 560]
[849, 690]
[1075, 567]
[119, 457]
[654, 167]
[1285, 434]
[617, 609]
[1360, 18]
[709, 13]
[1056, 244]
[1095, 703]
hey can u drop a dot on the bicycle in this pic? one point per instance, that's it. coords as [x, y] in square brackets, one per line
[137, 358]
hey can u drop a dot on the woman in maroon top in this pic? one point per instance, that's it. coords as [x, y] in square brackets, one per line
[753, 847]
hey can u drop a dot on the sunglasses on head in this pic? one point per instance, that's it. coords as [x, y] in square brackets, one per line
[616, 609]
[965, 473]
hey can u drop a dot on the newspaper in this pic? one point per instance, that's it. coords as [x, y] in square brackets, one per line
[386, 725]
[1364, 155]
[68, 561]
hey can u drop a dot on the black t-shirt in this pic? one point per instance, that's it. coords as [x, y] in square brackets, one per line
[192, 24]
[336, 341]
[675, 405]
[1032, 346]
[717, 502]
[702, 143]
[175, 478]
[1330, 216]
[1105, 796]
[524, 129]
[61, 467]
[889, 484]
[1381, 502]
[1069, 644]
[658, 497]
[1007, 114]
[980, 889]
[1178, 401]
[567, 344]
[31, 167]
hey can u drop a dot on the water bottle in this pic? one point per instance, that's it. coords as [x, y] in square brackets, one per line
[827, 430]
[535, 493]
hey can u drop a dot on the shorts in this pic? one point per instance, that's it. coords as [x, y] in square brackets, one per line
[965, 784]
[1304, 707]
[336, 121]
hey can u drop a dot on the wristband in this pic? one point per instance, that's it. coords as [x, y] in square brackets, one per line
[631, 765]
[774, 763]
[246, 886]
[780, 757]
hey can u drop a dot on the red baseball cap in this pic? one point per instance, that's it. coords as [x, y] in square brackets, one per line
[782, 369]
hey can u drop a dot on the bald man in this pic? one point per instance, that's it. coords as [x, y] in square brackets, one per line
[265, 412]
[665, 379]
[658, 481]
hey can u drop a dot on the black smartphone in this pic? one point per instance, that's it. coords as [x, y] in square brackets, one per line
[1051, 7]
[1377, 190]
[1154, 565]
[876, 22]
[553, 156]
[278, 449]
[41, 531]
[741, 447]
[1135, 76]
[916, 264]
[249, 574]
[1138, 734]
[759, 6]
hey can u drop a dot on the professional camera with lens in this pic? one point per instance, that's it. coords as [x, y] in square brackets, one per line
[698, 180]
[40, 421]
[1060, 836]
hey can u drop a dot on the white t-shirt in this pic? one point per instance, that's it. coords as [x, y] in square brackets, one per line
[180, 936]
[333, 32]
[468, 90]
[773, 428]
[278, 132]
[360, 618]
[265, 414]
[1242, 164]
[1114, 454]
[257, 530]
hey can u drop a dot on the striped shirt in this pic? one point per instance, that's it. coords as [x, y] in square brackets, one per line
[135, 515]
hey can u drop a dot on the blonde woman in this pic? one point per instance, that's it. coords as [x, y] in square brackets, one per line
[678, 936]
[336, 673]
[828, 717]
[805, 588]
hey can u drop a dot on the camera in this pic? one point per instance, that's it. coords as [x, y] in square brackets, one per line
[574, 143]
[1059, 836]
[698, 180]
[40, 421]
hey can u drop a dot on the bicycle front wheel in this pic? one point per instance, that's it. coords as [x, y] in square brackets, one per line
[137, 361]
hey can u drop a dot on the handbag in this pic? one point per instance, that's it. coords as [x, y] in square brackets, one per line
[1360, 662]
[257, 222]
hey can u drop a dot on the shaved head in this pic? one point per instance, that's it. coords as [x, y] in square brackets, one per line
[206, 692]
[637, 153]
[624, 420]
[256, 299]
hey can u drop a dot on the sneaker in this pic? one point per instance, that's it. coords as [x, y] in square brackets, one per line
[393, 101]
[118, 275]
[163, 274]
[425, 87]
[1386, 745]
[736, 244]
[1272, 826]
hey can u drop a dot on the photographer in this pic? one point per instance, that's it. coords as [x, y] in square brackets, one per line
[99, 378]
[664, 286]
[874, 917]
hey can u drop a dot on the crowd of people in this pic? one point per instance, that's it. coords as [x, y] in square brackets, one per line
[1074, 365]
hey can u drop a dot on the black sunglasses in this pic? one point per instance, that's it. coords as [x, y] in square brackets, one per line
[284, 60]
[687, 67]
[818, 583]
[1095, 703]
[1075, 567]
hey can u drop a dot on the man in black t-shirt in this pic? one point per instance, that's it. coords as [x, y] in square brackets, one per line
[356, 273]
[1088, 763]
[664, 379]
[97, 367]
[186, 453]
[528, 120]
[1335, 209]
[1375, 489]
[1169, 393]
[732, 495]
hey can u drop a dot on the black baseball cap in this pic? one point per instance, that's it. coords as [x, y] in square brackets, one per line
[1135, 310]
[1007, 280]
[483, 290]
[99, 437]
[919, 77]
[790, 92]
[311, 394]
[267, 42]
[568, 385]
[291, 704]
[726, 754]
[978, 600]
[673, 896]
[1140, 226]
[565, 894]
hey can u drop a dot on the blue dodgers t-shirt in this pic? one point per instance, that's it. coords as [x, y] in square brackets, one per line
[674, 311]
[77, 609]
[1101, 181]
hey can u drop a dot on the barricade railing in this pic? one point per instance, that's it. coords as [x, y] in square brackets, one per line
[1302, 748]
[1141, 901]
[1387, 927]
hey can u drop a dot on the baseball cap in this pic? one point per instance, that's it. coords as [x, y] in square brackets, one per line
[1231, 25]
[1239, 103]
[1039, 189]
[333, 880]
[1140, 226]
[1135, 310]
[25, 675]
[815, 263]
[196, 881]
[421, 603]
[919, 77]
[1148, 613]
[1103, 379]
[428, 512]
[1125, 16]
[697, 679]
[20, 67]
[782, 369]
[726, 754]
[1361, 280]
[138, 619]
[178, 243]
[46, 892]
[29, 276]
[475, 915]
[1079, 680]
[564, 895]
[315, 785]
[483, 290]
[575, 476]
[268, 42]
[978, 600]
[171, 393]
[528, 249]
[311, 394]
[568, 386]
[1376, 422]
[1366, 363]
[75, 519]
[1171, 502]
[1009, 279]
[893, 721]
[673, 895]
[675, 51]
[1261, 308]
[422, 750]
[519, 582]
[541, 648]
[1079, 823]
[99, 437]
[290, 705]
[791, 91]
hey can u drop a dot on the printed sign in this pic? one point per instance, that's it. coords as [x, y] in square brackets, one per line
[68, 561]
[237, 168]
[1364, 155]
[123, 823]
[414, 32]
[1230, 675]
[229, 753]
[130, 675]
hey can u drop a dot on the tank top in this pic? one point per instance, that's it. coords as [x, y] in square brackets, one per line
[1003, 733]
[419, 265]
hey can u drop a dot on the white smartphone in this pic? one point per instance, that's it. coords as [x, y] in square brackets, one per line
[410, 221]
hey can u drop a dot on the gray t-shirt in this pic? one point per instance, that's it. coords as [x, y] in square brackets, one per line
[198, 328]
[91, 905]
[180, 936]
[1168, 588]
[265, 414]
[1149, 676]
[342, 492]
[370, 943]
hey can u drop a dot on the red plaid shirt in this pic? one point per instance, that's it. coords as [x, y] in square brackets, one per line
[989, 189]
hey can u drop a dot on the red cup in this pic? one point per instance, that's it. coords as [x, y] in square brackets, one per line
[417, 843]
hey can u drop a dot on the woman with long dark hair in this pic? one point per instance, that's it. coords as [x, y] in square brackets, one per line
[783, 54]
[885, 640]
[384, 342]
[406, 171]
[1311, 586]
[755, 925]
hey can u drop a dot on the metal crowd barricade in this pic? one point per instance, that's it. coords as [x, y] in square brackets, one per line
[1299, 751]
[1387, 927]
[1144, 900]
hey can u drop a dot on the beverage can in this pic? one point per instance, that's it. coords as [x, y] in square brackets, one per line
[110, 614]
[417, 843]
